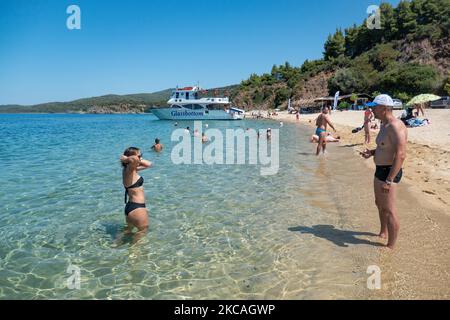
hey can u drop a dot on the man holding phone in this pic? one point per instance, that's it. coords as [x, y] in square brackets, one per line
[389, 157]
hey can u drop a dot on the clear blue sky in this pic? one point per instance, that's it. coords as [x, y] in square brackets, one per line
[144, 46]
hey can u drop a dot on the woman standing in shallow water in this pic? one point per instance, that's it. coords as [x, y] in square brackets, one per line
[135, 211]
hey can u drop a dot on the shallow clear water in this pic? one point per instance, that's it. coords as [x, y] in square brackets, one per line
[216, 232]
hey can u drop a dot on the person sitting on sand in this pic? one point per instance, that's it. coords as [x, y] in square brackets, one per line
[157, 146]
[322, 121]
[329, 138]
[136, 214]
[407, 115]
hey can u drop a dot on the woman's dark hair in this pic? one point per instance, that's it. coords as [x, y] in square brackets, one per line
[131, 151]
[156, 140]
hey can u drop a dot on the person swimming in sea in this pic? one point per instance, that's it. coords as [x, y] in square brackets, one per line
[157, 146]
[322, 121]
[196, 133]
[204, 138]
[136, 214]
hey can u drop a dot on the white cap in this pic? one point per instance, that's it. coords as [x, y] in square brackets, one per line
[382, 100]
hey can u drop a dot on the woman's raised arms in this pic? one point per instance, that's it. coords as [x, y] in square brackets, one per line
[144, 164]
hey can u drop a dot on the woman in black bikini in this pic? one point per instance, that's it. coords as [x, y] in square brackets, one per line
[135, 210]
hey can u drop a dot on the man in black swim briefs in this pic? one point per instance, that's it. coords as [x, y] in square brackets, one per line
[389, 157]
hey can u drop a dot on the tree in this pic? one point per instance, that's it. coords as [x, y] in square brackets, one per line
[382, 56]
[335, 45]
[281, 95]
[345, 81]
[427, 11]
[344, 105]
[388, 22]
[351, 34]
[310, 68]
[364, 39]
[447, 84]
[406, 19]
[403, 96]
[444, 23]
[274, 70]
[412, 79]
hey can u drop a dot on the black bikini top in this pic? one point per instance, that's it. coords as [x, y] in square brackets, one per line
[137, 184]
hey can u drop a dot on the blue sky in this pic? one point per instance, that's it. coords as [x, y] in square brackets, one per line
[144, 46]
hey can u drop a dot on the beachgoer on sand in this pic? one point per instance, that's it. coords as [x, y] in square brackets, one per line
[419, 109]
[389, 157]
[368, 117]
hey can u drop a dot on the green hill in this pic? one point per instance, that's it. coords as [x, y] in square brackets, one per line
[131, 103]
[409, 55]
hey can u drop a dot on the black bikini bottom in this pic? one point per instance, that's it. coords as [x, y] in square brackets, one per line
[130, 206]
[382, 173]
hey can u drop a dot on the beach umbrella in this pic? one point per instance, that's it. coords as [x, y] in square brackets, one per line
[422, 98]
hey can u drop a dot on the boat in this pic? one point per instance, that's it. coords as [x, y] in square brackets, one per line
[186, 104]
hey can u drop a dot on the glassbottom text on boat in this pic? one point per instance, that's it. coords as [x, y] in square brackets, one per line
[185, 104]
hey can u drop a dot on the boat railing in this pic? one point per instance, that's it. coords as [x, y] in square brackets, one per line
[209, 100]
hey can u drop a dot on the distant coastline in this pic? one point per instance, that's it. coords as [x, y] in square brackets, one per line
[139, 103]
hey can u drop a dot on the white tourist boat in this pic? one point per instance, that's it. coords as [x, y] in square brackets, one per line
[185, 104]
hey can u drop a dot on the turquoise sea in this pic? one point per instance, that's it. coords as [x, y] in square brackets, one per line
[216, 232]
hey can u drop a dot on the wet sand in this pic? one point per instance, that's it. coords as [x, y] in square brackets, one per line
[419, 267]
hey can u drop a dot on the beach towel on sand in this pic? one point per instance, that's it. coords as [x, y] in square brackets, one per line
[413, 123]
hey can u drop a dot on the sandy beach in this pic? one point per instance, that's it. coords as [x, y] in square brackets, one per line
[419, 267]
[427, 166]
